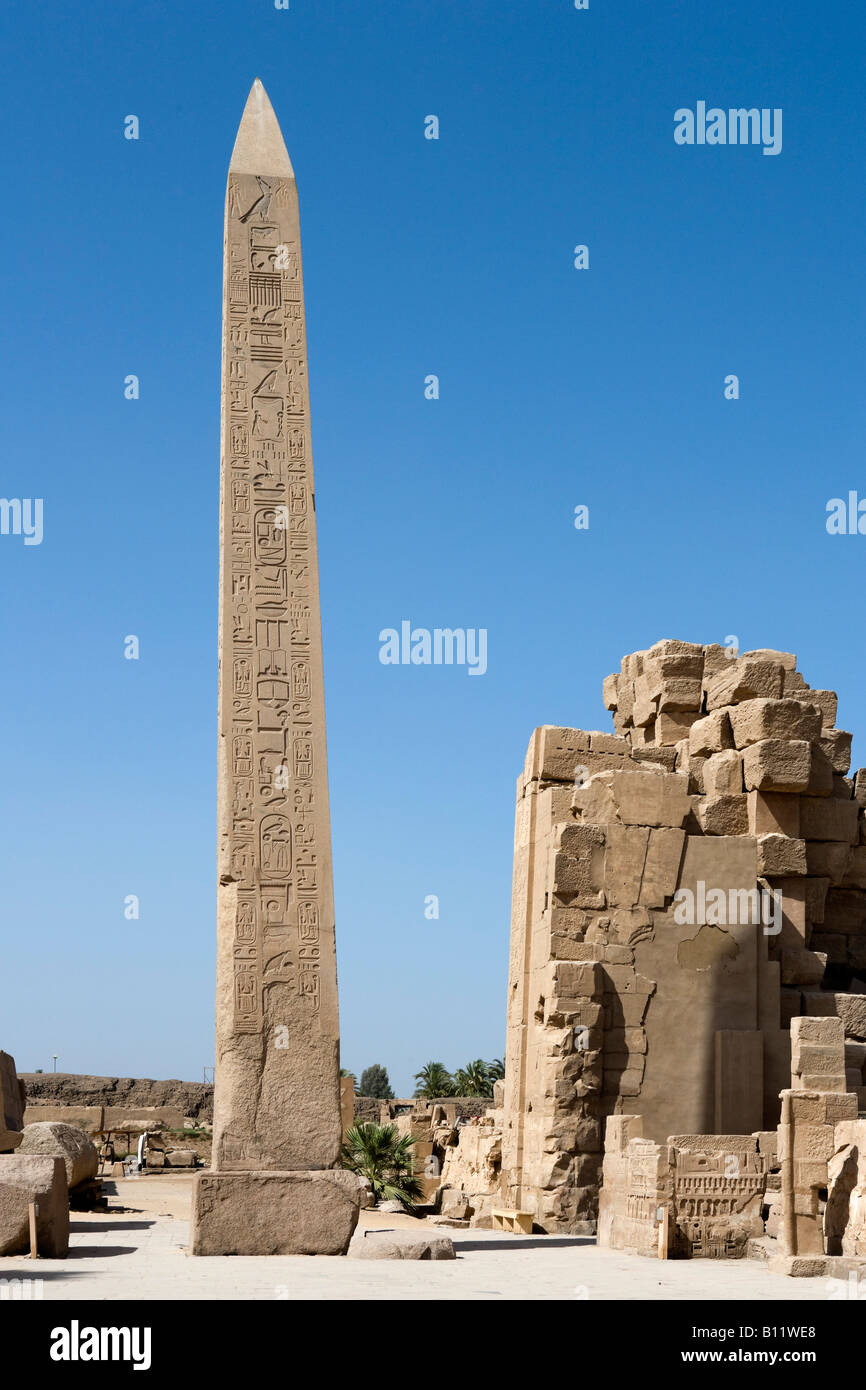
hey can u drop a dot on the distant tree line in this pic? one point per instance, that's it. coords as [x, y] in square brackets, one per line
[434, 1080]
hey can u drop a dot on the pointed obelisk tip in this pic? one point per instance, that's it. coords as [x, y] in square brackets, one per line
[259, 145]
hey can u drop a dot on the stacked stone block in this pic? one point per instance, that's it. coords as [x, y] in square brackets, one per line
[722, 770]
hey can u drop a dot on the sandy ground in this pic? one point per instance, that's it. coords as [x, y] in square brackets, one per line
[137, 1250]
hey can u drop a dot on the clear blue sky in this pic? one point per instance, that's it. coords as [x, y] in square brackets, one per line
[558, 387]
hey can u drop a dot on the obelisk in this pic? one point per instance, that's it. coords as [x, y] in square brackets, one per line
[275, 1187]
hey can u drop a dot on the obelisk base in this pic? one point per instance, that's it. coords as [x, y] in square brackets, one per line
[274, 1213]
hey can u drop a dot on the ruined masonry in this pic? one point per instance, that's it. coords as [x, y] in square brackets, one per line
[275, 1187]
[683, 888]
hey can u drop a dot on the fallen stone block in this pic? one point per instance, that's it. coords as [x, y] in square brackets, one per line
[79, 1153]
[401, 1245]
[180, 1158]
[300, 1212]
[26, 1178]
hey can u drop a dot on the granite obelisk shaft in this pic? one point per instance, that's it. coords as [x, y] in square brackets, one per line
[277, 1096]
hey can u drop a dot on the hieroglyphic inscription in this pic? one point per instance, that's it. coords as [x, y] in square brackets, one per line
[267, 696]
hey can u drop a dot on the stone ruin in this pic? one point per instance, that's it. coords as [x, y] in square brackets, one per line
[683, 889]
[30, 1182]
[722, 1195]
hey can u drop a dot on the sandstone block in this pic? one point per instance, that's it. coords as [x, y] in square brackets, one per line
[573, 979]
[849, 1011]
[828, 818]
[746, 679]
[825, 701]
[756, 720]
[609, 743]
[710, 735]
[663, 758]
[816, 894]
[661, 867]
[671, 726]
[723, 774]
[623, 865]
[716, 658]
[610, 692]
[180, 1158]
[651, 798]
[777, 854]
[825, 1030]
[79, 1153]
[723, 815]
[777, 765]
[26, 1178]
[821, 776]
[802, 967]
[11, 1101]
[845, 912]
[403, 1245]
[828, 859]
[678, 693]
[674, 658]
[855, 871]
[774, 813]
[304, 1212]
[787, 660]
[575, 878]
[836, 743]
[554, 753]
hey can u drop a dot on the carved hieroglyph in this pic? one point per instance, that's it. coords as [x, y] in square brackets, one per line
[277, 1102]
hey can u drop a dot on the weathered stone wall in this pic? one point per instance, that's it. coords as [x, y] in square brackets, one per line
[643, 978]
[693, 1196]
[192, 1098]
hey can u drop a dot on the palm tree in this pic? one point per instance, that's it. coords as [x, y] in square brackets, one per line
[496, 1069]
[473, 1080]
[434, 1080]
[378, 1153]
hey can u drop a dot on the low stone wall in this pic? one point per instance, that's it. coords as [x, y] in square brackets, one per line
[188, 1098]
